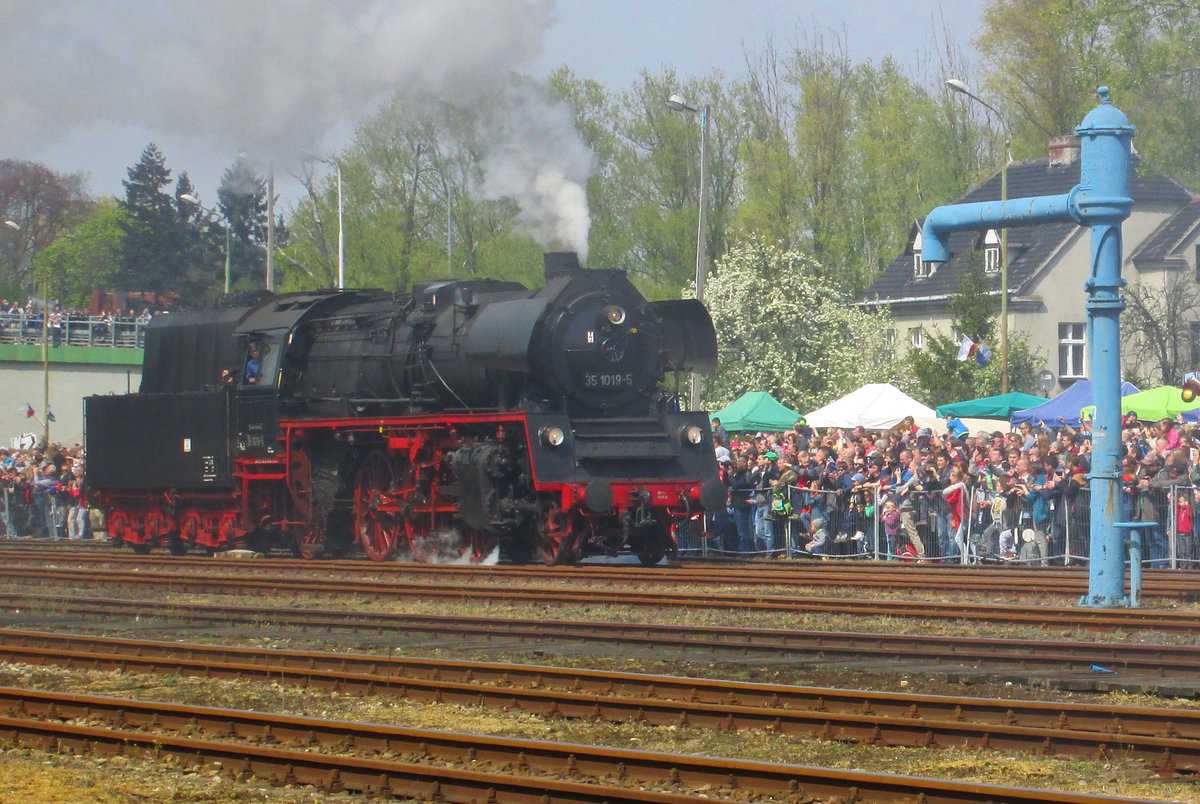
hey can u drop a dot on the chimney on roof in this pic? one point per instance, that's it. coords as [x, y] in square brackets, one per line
[1064, 149]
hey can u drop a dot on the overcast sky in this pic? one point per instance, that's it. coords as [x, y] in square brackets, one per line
[88, 85]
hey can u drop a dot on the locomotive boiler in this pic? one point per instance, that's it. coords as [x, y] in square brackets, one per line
[465, 418]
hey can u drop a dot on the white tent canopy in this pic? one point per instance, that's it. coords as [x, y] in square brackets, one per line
[875, 406]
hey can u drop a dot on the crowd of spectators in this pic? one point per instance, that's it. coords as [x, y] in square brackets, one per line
[24, 324]
[43, 493]
[914, 494]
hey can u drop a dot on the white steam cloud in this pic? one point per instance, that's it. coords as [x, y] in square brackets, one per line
[258, 75]
[537, 158]
[278, 79]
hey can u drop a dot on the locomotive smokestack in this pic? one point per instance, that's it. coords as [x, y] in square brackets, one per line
[561, 263]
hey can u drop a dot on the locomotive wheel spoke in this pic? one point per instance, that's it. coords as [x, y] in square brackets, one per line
[308, 544]
[418, 534]
[478, 545]
[559, 544]
[376, 527]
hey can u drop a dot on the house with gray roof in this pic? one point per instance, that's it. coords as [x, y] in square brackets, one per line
[1047, 264]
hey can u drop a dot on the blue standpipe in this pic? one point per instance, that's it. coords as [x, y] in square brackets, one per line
[1101, 201]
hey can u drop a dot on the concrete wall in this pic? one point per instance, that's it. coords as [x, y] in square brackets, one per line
[22, 383]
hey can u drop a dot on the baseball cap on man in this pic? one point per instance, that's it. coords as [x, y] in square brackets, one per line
[770, 456]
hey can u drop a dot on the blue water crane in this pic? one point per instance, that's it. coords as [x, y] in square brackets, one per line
[1101, 201]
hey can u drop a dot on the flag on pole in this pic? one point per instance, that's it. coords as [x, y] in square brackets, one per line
[50, 415]
[983, 355]
[29, 411]
[965, 348]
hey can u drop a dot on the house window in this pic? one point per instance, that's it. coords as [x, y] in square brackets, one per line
[991, 252]
[916, 337]
[920, 267]
[1072, 338]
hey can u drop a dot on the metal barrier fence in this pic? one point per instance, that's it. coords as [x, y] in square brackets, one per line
[28, 514]
[827, 525]
[18, 328]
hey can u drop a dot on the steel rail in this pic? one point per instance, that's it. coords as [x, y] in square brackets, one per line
[1101, 718]
[1008, 614]
[1166, 754]
[1056, 580]
[598, 774]
[1170, 669]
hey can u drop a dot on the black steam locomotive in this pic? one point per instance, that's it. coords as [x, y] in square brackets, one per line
[466, 418]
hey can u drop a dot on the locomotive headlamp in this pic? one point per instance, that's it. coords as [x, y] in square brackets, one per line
[692, 434]
[552, 436]
[614, 314]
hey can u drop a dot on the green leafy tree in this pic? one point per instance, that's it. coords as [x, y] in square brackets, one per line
[645, 191]
[841, 158]
[937, 375]
[43, 204]
[242, 200]
[1043, 60]
[782, 328]
[411, 199]
[88, 256]
[154, 239]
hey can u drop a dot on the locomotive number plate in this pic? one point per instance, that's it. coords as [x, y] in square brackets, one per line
[607, 380]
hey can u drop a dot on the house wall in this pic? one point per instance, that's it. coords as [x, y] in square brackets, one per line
[1056, 297]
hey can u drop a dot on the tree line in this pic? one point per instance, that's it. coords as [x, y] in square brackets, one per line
[811, 154]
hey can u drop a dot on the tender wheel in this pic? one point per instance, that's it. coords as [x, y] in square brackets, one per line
[375, 521]
[142, 549]
[176, 545]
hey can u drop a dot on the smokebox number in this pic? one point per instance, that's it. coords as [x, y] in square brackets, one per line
[607, 380]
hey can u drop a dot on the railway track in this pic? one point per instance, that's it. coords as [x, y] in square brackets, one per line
[444, 766]
[1168, 740]
[223, 583]
[1067, 581]
[1172, 670]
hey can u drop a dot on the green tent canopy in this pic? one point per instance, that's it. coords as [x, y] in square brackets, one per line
[991, 407]
[1163, 402]
[756, 410]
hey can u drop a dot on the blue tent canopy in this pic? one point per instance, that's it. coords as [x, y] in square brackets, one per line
[1068, 404]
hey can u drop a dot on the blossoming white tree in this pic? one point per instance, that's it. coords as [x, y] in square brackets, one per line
[783, 328]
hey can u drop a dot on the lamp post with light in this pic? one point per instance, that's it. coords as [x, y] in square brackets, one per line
[676, 103]
[191, 199]
[961, 87]
[16, 227]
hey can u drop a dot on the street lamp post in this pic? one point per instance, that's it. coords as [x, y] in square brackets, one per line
[960, 86]
[676, 103]
[191, 199]
[16, 227]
